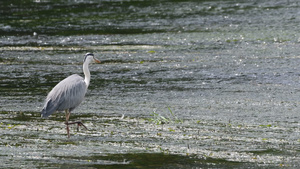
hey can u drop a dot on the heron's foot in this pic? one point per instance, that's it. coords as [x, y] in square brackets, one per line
[79, 123]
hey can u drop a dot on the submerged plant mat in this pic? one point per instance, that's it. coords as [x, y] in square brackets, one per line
[31, 141]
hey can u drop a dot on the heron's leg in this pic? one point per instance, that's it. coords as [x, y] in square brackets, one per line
[79, 123]
[67, 121]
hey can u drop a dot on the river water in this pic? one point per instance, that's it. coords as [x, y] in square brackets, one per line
[182, 84]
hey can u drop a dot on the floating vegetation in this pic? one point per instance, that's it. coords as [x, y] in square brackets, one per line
[151, 51]
[200, 141]
[160, 119]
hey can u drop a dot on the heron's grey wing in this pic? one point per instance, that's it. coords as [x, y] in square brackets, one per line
[72, 93]
[67, 94]
[48, 108]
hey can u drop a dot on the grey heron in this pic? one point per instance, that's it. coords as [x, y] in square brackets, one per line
[69, 93]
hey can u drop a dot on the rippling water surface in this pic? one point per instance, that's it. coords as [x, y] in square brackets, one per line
[182, 84]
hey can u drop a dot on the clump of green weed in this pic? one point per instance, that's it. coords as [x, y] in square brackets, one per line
[160, 119]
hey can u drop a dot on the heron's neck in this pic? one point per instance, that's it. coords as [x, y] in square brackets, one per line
[87, 74]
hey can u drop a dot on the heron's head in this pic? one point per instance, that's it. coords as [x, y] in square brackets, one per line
[89, 57]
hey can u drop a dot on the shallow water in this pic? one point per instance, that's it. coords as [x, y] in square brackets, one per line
[209, 84]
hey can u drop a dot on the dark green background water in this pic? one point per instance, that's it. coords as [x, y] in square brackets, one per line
[182, 84]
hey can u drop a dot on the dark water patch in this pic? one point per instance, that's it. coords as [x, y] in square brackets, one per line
[269, 151]
[162, 161]
[20, 117]
[131, 17]
[23, 116]
[73, 18]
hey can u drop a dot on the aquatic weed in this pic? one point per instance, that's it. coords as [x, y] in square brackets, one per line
[160, 119]
[176, 119]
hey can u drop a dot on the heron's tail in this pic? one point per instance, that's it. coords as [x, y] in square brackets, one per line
[44, 113]
[48, 109]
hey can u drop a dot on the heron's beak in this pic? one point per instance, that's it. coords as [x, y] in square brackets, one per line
[97, 61]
